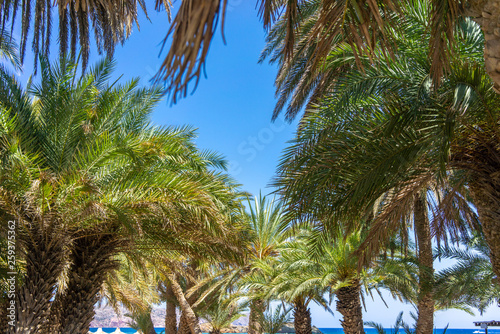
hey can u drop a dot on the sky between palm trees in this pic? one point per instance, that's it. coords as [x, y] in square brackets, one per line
[232, 110]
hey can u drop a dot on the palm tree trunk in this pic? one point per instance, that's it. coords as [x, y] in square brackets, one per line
[187, 311]
[92, 259]
[488, 18]
[183, 325]
[302, 318]
[4, 325]
[151, 329]
[349, 305]
[425, 307]
[44, 264]
[170, 312]
[257, 307]
[485, 192]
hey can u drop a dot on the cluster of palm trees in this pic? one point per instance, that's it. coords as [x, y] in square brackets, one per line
[303, 264]
[385, 146]
[93, 186]
[400, 134]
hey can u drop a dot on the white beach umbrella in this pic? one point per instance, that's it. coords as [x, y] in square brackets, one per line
[100, 331]
[118, 331]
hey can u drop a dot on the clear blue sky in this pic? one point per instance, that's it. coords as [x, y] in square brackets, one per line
[232, 110]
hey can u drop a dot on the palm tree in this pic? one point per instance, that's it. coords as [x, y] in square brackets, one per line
[267, 230]
[141, 322]
[284, 280]
[268, 225]
[274, 320]
[466, 285]
[222, 313]
[317, 262]
[170, 308]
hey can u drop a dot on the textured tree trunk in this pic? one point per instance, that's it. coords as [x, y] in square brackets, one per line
[190, 317]
[183, 325]
[3, 316]
[302, 318]
[486, 196]
[479, 154]
[487, 14]
[349, 305]
[92, 259]
[257, 308]
[151, 329]
[425, 307]
[170, 312]
[44, 264]
[214, 331]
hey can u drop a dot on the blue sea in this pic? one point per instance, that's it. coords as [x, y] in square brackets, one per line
[340, 331]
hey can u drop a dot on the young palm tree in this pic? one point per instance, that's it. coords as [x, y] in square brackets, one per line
[141, 322]
[274, 320]
[222, 313]
[268, 225]
[284, 280]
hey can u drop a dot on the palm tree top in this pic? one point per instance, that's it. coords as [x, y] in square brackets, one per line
[267, 224]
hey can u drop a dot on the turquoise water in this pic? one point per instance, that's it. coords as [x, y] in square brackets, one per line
[340, 331]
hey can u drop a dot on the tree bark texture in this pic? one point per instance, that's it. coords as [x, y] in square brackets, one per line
[486, 196]
[92, 259]
[151, 329]
[183, 325]
[190, 317]
[487, 14]
[44, 254]
[425, 306]
[257, 307]
[349, 305]
[302, 318]
[170, 312]
[3, 316]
